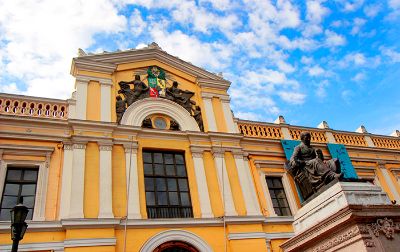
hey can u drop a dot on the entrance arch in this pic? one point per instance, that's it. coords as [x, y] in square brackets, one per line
[178, 238]
[139, 110]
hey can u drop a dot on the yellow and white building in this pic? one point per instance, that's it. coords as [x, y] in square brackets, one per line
[94, 185]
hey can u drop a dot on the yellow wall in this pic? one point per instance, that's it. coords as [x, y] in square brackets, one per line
[93, 101]
[91, 196]
[219, 114]
[235, 184]
[212, 183]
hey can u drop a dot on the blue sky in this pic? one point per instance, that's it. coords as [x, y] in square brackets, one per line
[310, 61]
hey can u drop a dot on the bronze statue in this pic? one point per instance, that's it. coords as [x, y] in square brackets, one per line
[147, 123]
[306, 162]
[120, 107]
[182, 97]
[139, 91]
[173, 125]
[198, 118]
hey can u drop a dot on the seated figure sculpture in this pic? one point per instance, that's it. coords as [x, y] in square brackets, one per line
[309, 163]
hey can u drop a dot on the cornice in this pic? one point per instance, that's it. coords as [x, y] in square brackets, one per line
[33, 136]
[93, 66]
[85, 78]
[216, 84]
[15, 149]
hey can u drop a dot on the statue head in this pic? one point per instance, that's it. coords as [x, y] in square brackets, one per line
[137, 77]
[306, 138]
[119, 98]
[175, 84]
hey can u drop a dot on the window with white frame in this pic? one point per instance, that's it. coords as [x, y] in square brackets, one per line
[19, 187]
[278, 196]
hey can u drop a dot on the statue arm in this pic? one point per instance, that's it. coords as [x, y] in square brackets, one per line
[295, 159]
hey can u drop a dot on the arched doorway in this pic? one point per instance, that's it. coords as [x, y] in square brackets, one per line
[175, 246]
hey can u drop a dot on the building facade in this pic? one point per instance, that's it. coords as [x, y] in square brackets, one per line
[142, 164]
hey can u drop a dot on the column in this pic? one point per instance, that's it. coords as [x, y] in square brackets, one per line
[81, 99]
[247, 185]
[105, 105]
[78, 179]
[132, 181]
[105, 183]
[224, 185]
[202, 188]
[66, 183]
[228, 116]
[212, 126]
[41, 190]
[389, 182]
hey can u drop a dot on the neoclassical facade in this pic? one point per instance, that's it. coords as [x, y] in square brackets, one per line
[177, 171]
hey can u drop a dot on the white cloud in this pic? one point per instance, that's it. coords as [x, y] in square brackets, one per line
[372, 10]
[333, 39]
[393, 55]
[351, 5]
[214, 56]
[42, 37]
[320, 91]
[357, 24]
[137, 25]
[394, 4]
[357, 59]
[219, 4]
[359, 77]
[252, 116]
[292, 97]
[316, 11]
[316, 71]
[285, 67]
[306, 60]
[9, 88]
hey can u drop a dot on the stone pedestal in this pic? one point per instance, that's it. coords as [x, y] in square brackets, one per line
[349, 216]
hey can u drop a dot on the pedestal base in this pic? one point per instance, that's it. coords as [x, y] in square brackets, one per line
[349, 216]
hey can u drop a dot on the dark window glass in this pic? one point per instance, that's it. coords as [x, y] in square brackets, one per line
[20, 185]
[166, 184]
[278, 196]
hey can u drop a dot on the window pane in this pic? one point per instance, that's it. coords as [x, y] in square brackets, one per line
[286, 211]
[9, 201]
[149, 184]
[30, 175]
[158, 169]
[172, 185]
[278, 211]
[158, 158]
[280, 194]
[183, 186]
[170, 169]
[14, 174]
[162, 198]
[11, 189]
[148, 170]
[146, 157]
[179, 159]
[168, 158]
[150, 199]
[5, 214]
[30, 214]
[185, 199]
[272, 193]
[160, 183]
[28, 189]
[173, 198]
[275, 203]
[29, 201]
[269, 183]
[180, 170]
[278, 183]
[283, 203]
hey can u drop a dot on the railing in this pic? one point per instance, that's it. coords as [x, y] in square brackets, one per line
[348, 139]
[274, 131]
[20, 105]
[388, 143]
[169, 212]
[259, 130]
[316, 136]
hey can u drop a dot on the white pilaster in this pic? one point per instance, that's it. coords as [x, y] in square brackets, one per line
[132, 182]
[389, 182]
[247, 185]
[212, 126]
[81, 99]
[224, 185]
[105, 183]
[40, 200]
[202, 188]
[228, 116]
[105, 106]
[78, 176]
[369, 142]
[66, 183]
[330, 137]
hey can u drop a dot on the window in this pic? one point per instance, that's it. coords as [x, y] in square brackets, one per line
[20, 185]
[278, 196]
[166, 184]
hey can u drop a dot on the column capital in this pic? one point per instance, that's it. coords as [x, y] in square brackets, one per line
[81, 145]
[218, 153]
[105, 145]
[131, 147]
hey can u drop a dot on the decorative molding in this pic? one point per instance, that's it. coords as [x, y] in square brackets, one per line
[386, 226]
[105, 147]
[281, 235]
[71, 243]
[139, 110]
[249, 235]
[338, 239]
[175, 235]
[79, 146]
[89, 223]
[279, 220]
[40, 246]
[67, 146]
[86, 79]
[197, 154]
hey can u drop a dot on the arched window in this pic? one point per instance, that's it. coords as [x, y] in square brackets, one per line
[175, 246]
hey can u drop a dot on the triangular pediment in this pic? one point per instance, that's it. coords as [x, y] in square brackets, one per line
[108, 62]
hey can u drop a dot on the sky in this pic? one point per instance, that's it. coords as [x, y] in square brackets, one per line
[310, 61]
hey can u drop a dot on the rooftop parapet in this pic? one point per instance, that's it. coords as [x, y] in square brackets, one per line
[29, 106]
